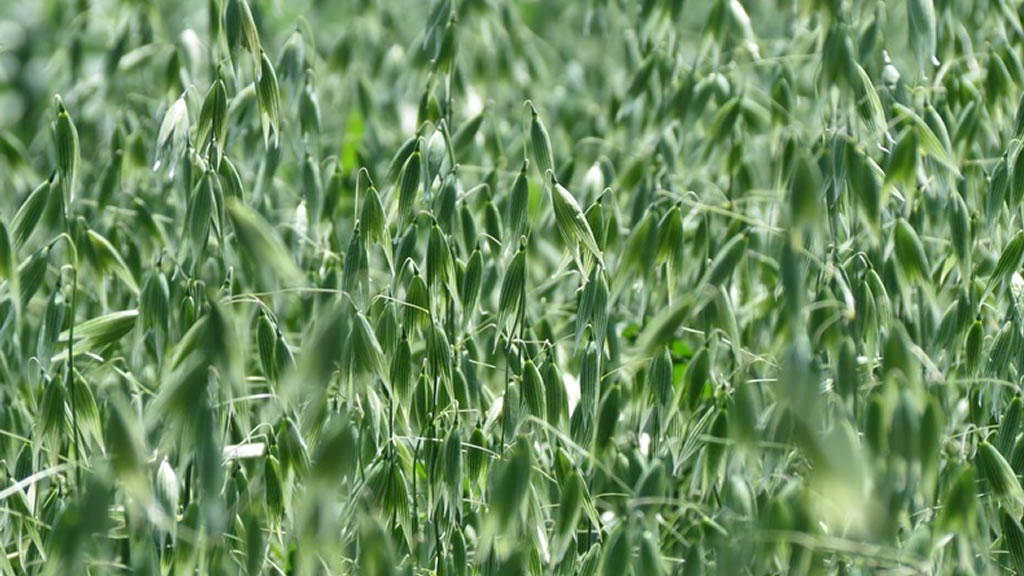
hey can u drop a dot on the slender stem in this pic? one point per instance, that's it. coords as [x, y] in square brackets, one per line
[70, 376]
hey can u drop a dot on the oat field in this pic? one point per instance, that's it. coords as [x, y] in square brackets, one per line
[509, 287]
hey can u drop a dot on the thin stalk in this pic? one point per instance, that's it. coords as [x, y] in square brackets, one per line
[70, 367]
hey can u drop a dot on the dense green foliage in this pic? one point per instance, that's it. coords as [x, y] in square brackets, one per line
[484, 287]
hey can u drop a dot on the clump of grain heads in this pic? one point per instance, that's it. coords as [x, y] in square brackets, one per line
[476, 288]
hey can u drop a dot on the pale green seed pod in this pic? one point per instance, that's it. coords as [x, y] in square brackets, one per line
[445, 201]
[449, 44]
[591, 561]
[602, 297]
[1004, 346]
[376, 550]
[460, 389]
[533, 390]
[492, 227]
[869, 105]
[422, 399]
[998, 186]
[960, 230]
[570, 505]
[52, 419]
[1013, 535]
[1017, 457]
[1009, 261]
[650, 562]
[931, 441]
[187, 313]
[8, 266]
[883, 305]
[901, 167]
[464, 138]
[1009, 427]
[999, 477]
[556, 399]
[272, 488]
[1018, 123]
[619, 553]
[697, 374]
[590, 377]
[401, 370]
[670, 242]
[266, 344]
[293, 451]
[452, 470]
[250, 36]
[212, 132]
[200, 212]
[172, 138]
[337, 451]
[367, 354]
[283, 355]
[715, 451]
[571, 223]
[516, 210]
[1016, 191]
[581, 425]
[312, 189]
[155, 303]
[585, 308]
[468, 224]
[440, 266]
[660, 378]
[608, 418]
[476, 455]
[50, 328]
[905, 434]
[231, 180]
[357, 268]
[373, 221]
[68, 154]
[458, 552]
[513, 290]
[439, 353]
[973, 344]
[89, 423]
[922, 33]
[233, 25]
[471, 281]
[291, 61]
[877, 425]
[32, 273]
[596, 220]
[728, 257]
[540, 143]
[28, 216]
[510, 411]
[513, 483]
[910, 251]
[417, 303]
[435, 155]
[863, 180]
[401, 157]
[268, 96]
[651, 486]
[408, 187]
[847, 374]
[309, 108]
[387, 329]
[167, 491]
[960, 503]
